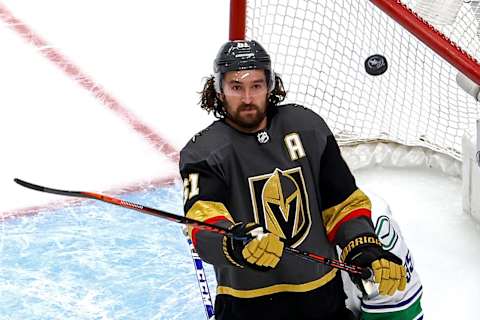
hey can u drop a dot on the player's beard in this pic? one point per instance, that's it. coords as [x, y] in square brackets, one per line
[248, 121]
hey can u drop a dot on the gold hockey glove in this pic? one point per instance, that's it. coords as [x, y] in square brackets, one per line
[254, 247]
[388, 272]
[391, 276]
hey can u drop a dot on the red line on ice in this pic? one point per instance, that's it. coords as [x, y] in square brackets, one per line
[73, 202]
[87, 83]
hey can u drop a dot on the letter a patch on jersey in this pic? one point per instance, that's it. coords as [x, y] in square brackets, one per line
[280, 203]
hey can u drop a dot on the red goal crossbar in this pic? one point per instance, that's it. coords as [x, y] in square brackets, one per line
[434, 39]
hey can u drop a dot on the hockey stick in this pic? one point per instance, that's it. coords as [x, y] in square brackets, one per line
[202, 281]
[363, 273]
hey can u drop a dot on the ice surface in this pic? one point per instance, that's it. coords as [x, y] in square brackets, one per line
[98, 261]
[444, 242]
[55, 132]
[103, 262]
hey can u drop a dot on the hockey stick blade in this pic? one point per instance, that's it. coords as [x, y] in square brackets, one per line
[363, 273]
[48, 190]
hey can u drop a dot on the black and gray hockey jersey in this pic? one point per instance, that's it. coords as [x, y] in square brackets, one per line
[291, 179]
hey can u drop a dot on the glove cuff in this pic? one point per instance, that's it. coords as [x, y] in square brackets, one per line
[228, 252]
[228, 247]
[358, 244]
[365, 249]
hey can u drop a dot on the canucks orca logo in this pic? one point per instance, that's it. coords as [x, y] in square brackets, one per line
[280, 203]
[386, 233]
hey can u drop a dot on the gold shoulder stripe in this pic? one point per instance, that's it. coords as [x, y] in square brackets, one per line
[283, 287]
[333, 215]
[205, 210]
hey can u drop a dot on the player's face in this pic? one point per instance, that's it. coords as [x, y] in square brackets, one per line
[245, 96]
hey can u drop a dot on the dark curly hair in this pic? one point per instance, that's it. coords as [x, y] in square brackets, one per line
[210, 102]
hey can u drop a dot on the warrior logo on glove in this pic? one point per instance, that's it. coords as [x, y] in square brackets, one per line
[280, 204]
[388, 272]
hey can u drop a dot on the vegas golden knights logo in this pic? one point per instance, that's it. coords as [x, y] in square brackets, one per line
[280, 203]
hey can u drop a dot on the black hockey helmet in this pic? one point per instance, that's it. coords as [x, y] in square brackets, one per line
[242, 55]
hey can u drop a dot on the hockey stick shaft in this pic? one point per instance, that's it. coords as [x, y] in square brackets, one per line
[354, 270]
[202, 281]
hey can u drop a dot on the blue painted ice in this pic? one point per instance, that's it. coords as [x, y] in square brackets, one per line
[99, 261]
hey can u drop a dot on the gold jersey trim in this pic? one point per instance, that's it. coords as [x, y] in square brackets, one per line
[283, 287]
[333, 215]
[204, 210]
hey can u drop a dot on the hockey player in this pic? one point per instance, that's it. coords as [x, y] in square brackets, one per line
[403, 305]
[274, 175]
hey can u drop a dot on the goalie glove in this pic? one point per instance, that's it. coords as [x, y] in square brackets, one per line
[253, 246]
[388, 272]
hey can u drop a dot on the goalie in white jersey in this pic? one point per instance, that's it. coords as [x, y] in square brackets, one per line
[403, 305]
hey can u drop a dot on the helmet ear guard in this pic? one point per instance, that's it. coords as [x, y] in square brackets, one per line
[217, 82]
[242, 55]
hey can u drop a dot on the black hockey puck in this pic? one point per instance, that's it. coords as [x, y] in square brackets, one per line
[376, 65]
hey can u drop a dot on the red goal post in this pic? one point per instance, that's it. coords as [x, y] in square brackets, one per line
[319, 49]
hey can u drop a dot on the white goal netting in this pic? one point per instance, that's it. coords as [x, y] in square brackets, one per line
[319, 48]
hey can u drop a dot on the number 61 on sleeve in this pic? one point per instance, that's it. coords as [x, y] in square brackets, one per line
[190, 187]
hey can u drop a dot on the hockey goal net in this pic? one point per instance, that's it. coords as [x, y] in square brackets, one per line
[320, 47]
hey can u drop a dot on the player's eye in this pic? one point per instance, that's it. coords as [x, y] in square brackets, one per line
[259, 86]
